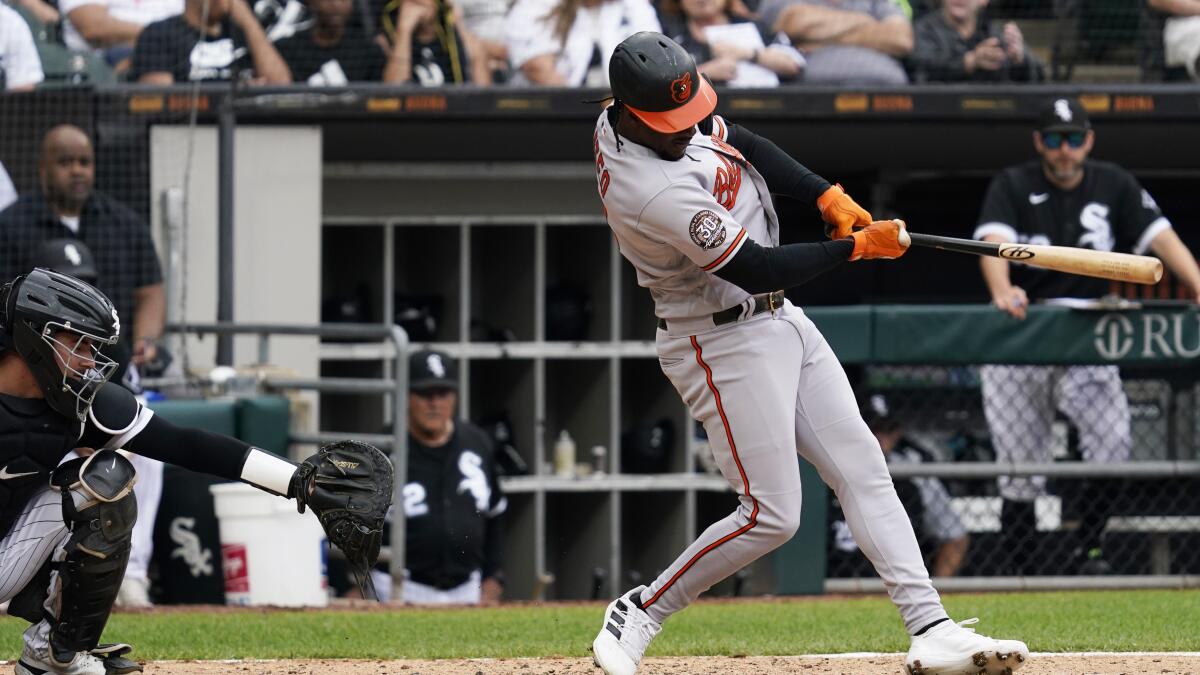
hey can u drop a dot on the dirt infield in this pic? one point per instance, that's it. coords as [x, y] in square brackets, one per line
[1103, 664]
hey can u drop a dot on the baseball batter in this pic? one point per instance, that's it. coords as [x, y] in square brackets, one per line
[1063, 199]
[687, 196]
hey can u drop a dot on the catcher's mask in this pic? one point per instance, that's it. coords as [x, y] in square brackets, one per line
[58, 324]
[656, 80]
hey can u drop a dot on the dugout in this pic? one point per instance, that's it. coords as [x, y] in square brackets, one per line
[467, 206]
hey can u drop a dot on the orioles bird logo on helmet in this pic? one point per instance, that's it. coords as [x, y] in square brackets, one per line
[681, 89]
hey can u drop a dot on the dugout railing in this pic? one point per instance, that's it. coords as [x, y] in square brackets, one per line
[1150, 534]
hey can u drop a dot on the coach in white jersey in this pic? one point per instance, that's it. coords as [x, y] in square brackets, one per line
[688, 198]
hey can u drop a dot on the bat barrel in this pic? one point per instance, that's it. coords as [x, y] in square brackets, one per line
[1083, 261]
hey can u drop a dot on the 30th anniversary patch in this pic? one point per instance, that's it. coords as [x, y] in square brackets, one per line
[706, 230]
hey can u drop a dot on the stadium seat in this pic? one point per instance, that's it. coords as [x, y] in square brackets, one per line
[62, 67]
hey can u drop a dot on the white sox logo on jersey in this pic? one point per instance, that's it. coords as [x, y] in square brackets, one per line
[474, 480]
[706, 230]
[1099, 235]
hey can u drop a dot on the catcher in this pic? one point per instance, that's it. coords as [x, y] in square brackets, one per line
[66, 529]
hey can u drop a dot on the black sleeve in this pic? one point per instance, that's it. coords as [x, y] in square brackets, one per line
[1138, 212]
[998, 208]
[758, 269]
[9, 253]
[152, 53]
[143, 253]
[193, 449]
[493, 548]
[783, 174]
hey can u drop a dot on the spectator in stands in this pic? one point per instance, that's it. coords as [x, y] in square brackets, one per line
[939, 529]
[333, 50]
[484, 19]
[730, 49]
[211, 40]
[452, 500]
[844, 41]
[567, 43]
[20, 66]
[65, 205]
[1181, 34]
[42, 11]
[429, 49]
[958, 44]
[1064, 199]
[111, 27]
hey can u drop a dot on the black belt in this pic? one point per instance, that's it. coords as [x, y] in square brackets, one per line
[763, 302]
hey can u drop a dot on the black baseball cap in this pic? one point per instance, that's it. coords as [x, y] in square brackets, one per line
[67, 256]
[428, 369]
[878, 415]
[1063, 115]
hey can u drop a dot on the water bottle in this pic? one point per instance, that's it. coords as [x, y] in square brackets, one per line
[564, 455]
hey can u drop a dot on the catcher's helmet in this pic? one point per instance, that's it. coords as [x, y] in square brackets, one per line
[38, 309]
[656, 80]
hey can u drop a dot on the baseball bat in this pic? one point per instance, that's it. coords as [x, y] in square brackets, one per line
[1139, 269]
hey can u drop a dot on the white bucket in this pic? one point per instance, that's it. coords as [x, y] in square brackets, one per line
[271, 554]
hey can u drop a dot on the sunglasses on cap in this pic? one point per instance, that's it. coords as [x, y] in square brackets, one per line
[1054, 139]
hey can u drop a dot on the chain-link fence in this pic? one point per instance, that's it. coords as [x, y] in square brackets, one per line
[1117, 492]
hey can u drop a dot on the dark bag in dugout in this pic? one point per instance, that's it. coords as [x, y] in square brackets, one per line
[419, 315]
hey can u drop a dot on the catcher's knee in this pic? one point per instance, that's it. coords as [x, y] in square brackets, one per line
[100, 510]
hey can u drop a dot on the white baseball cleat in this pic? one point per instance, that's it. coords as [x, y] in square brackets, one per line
[104, 660]
[32, 663]
[626, 633]
[953, 649]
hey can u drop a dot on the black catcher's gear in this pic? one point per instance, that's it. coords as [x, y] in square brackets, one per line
[100, 510]
[349, 486]
[50, 316]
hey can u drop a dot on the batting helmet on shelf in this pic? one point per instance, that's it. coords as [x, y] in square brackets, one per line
[656, 80]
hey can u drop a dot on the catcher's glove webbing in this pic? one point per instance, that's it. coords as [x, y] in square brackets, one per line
[348, 485]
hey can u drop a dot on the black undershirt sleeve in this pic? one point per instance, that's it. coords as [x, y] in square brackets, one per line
[493, 552]
[194, 449]
[784, 175]
[759, 269]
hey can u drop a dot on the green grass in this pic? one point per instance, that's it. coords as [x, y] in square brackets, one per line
[1079, 621]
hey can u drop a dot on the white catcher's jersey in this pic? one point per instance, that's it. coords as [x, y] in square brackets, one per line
[678, 222]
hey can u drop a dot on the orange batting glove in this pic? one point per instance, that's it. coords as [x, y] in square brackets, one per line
[881, 239]
[841, 213]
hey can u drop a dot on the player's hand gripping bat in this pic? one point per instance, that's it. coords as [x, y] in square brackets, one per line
[1085, 261]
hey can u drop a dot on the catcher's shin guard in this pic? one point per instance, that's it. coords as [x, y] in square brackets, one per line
[100, 510]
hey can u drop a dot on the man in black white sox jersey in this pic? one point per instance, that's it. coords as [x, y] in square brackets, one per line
[1064, 199]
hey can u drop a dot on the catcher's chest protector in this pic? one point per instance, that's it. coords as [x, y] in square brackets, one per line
[33, 440]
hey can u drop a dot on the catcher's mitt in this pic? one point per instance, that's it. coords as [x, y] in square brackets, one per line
[348, 485]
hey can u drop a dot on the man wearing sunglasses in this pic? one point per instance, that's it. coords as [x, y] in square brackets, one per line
[1064, 199]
